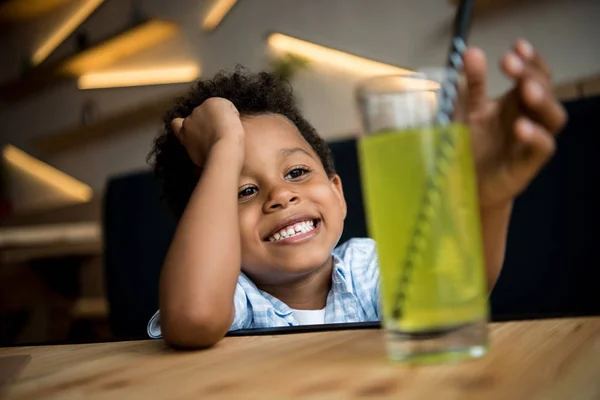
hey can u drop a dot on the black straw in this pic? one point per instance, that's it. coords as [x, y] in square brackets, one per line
[444, 152]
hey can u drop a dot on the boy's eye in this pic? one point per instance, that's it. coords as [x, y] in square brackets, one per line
[297, 172]
[247, 191]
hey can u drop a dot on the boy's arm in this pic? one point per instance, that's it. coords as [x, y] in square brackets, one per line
[200, 271]
[513, 137]
[494, 230]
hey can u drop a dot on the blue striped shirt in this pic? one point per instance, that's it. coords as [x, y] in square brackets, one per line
[354, 294]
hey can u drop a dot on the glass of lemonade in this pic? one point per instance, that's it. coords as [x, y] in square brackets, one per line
[422, 209]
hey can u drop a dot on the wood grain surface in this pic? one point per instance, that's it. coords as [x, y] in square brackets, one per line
[544, 359]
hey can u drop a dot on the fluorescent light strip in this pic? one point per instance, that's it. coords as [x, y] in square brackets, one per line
[78, 232]
[19, 10]
[332, 57]
[217, 11]
[158, 76]
[141, 37]
[63, 182]
[67, 27]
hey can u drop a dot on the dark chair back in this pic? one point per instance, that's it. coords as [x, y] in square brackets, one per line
[137, 232]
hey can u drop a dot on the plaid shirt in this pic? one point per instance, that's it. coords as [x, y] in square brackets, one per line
[354, 294]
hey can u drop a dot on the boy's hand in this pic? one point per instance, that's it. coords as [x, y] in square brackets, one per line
[513, 137]
[215, 119]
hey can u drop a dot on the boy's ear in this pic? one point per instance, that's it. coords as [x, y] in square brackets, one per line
[336, 184]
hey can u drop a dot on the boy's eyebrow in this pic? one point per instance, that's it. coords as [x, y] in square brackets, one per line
[289, 152]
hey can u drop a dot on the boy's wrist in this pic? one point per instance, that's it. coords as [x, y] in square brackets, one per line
[229, 147]
[495, 216]
[234, 137]
[502, 206]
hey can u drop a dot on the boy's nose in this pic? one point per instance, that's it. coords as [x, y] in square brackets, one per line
[280, 198]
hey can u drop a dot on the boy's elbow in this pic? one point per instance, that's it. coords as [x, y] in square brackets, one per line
[194, 330]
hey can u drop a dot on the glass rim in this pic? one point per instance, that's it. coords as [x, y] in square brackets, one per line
[426, 79]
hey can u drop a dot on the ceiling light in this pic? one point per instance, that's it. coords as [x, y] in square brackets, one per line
[331, 57]
[64, 30]
[19, 10]
[155, 76]
[217, 11]
[31, 165]
[128, 43]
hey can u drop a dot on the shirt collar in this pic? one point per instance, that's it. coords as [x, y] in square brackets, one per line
[280, 308]
[340, 284]
[341, 276]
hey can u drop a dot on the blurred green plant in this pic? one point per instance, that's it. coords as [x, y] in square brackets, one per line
[287, 65]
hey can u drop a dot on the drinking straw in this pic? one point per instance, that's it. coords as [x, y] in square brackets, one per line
[443, 155]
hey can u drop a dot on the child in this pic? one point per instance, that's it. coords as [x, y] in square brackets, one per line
[262, 208]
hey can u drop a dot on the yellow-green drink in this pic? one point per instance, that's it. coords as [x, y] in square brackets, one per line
[445, 287]
[422, 210]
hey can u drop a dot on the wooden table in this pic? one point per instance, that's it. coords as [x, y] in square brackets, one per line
[549, 359]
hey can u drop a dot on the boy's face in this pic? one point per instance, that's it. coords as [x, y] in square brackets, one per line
[291, 213]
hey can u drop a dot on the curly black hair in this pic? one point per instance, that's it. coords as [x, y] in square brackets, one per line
[252, 94]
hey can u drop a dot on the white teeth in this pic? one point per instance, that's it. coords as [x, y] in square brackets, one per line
[297, 229]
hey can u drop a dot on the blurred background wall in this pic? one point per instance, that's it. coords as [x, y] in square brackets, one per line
[407, 33]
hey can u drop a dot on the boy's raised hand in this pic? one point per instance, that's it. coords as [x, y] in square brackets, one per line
[513, 136]
[215, 119]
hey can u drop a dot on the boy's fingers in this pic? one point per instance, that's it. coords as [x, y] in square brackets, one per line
[541, 63]
[542, 103]
[517, 67]
[512, 65]
[177, 125]
[524, 49]
[527, 52]
[475, 67]
[533, 77]
[538, 143]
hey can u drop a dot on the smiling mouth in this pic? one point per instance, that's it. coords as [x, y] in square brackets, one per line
[293, 230]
